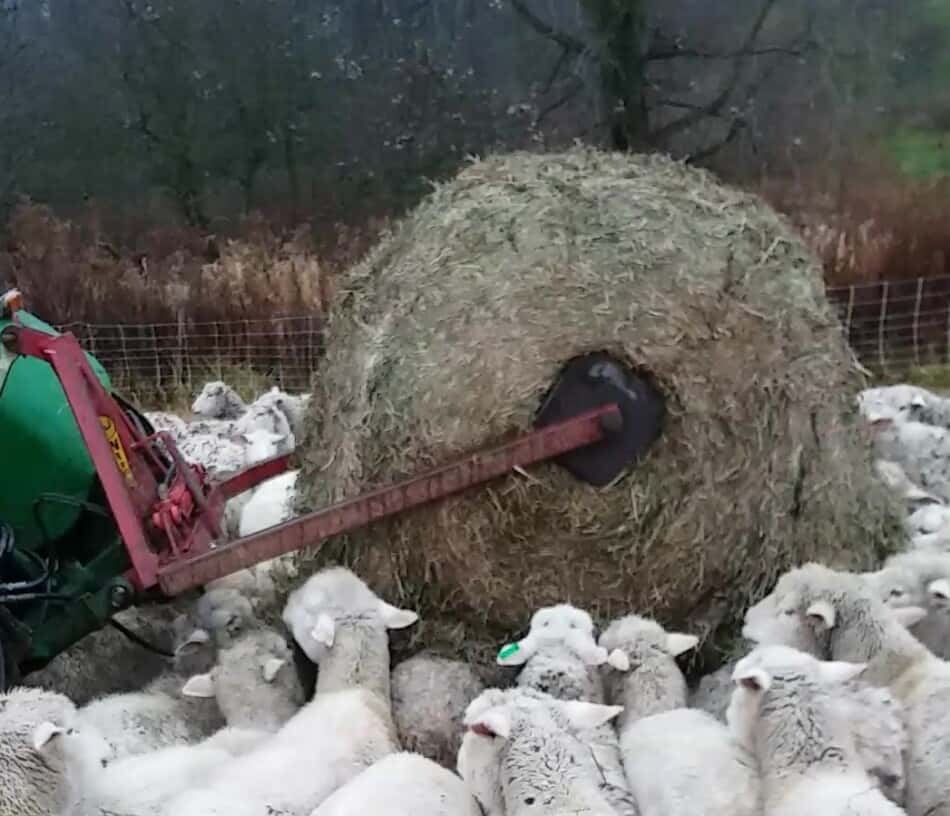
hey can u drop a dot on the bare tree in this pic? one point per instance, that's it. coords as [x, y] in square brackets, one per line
[641, 69]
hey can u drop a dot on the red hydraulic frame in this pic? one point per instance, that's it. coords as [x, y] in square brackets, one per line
[168, 513]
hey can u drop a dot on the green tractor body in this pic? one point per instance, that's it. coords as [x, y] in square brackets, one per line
[61, 560]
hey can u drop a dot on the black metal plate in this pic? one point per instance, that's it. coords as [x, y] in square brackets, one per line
[589, 382]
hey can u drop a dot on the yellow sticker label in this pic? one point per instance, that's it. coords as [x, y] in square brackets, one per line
[118, 452]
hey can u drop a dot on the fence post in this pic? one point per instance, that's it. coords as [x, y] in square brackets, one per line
[882, 318]
[916, 327]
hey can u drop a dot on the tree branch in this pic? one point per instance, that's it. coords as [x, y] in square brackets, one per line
[567, 41]
[560, 102]
[694, 53]
[716, 104]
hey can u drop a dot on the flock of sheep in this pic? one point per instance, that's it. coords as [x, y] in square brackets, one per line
[841, 704]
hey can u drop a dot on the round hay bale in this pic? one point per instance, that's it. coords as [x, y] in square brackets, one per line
[447, 336]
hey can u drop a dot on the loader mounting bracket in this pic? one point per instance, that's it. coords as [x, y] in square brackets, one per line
[597, 379]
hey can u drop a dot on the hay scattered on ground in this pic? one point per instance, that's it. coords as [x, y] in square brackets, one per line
[447, 335]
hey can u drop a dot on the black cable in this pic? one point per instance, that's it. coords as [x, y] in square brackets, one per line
[139, 640]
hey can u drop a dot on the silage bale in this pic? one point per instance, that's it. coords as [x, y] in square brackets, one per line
[446, 337]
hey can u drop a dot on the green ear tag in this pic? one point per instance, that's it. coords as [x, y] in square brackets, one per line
[509, 650]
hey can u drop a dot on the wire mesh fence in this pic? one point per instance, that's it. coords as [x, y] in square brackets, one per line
[892, 326]
[173, 360]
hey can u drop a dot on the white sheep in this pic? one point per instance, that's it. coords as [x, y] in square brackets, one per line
[32, 779]
[429, 698]
[900, 403]
[921, 579]
[156, 717]
[559, 656]
[923, 451]
[220, 457]
[262, 444]
[522, 755]
[876, 720]
[835, 616]
[254, 682]
[272, 503]
[403, 784]
[328, 742]
[895, 477]
[673, 756]
[781, 710]
[930, 518]
[138, 785]
[218, 400]
[293, 407]
[267, 417]
[342, 626]
[163, 421]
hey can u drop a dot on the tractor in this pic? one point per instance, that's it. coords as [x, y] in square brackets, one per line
[99, 511]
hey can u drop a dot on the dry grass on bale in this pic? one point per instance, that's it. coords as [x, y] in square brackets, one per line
[447, 335]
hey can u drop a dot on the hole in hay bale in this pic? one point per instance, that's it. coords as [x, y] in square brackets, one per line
[593, 380]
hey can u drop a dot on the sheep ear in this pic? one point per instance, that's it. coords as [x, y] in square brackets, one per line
[396, 618]
[584, 716]
[823, 613]
[839, 671]
[197, 638]
[677, 643]
[619, 660]
[908, 616]
[940, 589]
[516, 654]
[495, 722]
[753, 679]
[201, 685]
[271, 667]
[324, 630]
[917, 401]
[44, 734]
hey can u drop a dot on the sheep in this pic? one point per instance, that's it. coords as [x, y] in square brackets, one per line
[930, 518]
[135, 785]
[782, 712]
[262, 444]
[559, 656]
[32, 782]
[342, 626]
[896, 478]
[876, 720]
[292, 407]
[254, 682]
[156, 717]
[217, 400]
[268, 417]
[834, 615]
[673, 756]
[403, 784]
[429, 698]
[522, 755]
[270, 504]
[924, 579]
[220, 457]
[159, 716]
[899, 403]
[328, 742]
[922, 450]
[162, 421]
